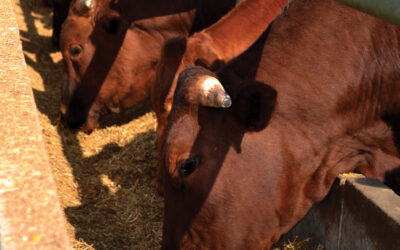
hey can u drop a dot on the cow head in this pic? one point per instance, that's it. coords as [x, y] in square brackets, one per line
[177, 54]
[87, 58]
[212, 176]
[237, 174]
[211, 48]
[113, 59]
[109, 60]
[239, 177]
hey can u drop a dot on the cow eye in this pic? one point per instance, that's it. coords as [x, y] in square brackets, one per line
[189, 166]
[75, 50]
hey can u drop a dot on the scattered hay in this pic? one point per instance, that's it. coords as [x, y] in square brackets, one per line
[106, 180]
[296, 244]
[351, 175]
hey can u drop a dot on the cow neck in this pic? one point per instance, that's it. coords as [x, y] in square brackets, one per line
[329, 65]
[345, 55]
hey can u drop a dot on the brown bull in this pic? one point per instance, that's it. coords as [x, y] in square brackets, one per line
[317, 95]
[111, 48]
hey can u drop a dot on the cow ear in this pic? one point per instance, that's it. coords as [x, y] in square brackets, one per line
[203, 51]
[253, 104]
[112, 23]
[170, 60]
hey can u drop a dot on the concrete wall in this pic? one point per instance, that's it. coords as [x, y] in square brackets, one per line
[358, 213]
[30, 213]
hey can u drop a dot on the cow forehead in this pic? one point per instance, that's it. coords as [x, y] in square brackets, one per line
[183, 129]
[76, 26]
[182, 133]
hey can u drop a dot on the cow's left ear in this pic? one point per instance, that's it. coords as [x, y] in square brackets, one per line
[253, 104]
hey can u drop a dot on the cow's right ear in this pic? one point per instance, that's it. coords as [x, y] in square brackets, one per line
[202, 51]
[170, 60]
[253, 104]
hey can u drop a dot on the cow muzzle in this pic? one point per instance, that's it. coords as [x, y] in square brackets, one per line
[66, 121]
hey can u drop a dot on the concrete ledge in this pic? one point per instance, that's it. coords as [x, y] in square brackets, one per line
[30, 213]
[358, 213]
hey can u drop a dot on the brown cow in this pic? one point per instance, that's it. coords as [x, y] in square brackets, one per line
[317, 95]
[111, 48]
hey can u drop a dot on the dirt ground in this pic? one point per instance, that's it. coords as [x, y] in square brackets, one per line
[105, 180]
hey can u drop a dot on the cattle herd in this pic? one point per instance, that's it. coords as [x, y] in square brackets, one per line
[260, 105]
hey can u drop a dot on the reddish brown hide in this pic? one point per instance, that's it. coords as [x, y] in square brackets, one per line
[111, 50]
[317, 95]
[211, 48]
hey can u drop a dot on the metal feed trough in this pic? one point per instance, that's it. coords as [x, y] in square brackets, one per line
[358, 213]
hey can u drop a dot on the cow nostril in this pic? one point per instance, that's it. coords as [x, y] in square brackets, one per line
[75, 50]
[61, 121]
[70, 123]
[63, 110]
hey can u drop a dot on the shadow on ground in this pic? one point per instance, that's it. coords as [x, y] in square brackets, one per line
[119, 208]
